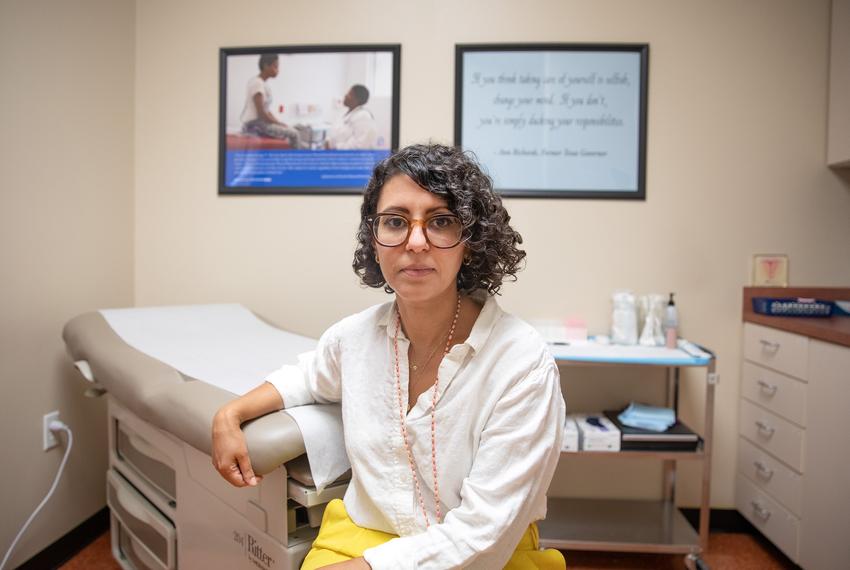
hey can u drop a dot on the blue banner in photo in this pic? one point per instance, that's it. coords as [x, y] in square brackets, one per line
[300, 168]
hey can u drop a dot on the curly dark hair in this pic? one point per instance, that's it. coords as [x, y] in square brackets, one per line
[456, 177]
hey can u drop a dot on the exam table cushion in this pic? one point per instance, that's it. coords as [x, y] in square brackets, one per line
[175, 403]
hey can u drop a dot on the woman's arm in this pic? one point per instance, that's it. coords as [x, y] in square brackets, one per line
[315, 378]
[229, 452]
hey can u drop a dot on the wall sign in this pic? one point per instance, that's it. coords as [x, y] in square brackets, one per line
[555, 120]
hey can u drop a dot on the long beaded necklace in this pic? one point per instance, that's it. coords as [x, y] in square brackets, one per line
[433, 419]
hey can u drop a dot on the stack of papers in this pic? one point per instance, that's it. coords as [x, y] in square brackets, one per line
[647, 417]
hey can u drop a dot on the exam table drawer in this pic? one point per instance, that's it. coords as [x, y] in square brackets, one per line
[775, 392]
[783, 351]
[776, 523]
[146, 460]
[135, 553]
[777, 436]
[771, 475]
[154, 534]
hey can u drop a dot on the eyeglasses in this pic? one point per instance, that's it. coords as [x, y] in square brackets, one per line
[443, 231]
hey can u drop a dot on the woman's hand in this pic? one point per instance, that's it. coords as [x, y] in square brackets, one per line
[229, 451]
[353, 564]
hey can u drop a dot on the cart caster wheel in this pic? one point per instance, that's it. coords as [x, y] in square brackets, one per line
[694, 562]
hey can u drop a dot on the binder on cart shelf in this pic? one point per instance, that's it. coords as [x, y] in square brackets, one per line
[678, 437]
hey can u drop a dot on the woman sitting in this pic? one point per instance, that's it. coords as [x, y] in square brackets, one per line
[452, 408]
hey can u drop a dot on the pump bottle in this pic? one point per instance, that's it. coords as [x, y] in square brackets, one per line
[671, 324]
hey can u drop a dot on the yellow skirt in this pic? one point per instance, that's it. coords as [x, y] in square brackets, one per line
[340, 539]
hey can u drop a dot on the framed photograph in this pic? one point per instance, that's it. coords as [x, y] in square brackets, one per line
[555, 120]
[306, 119]
[770, 270]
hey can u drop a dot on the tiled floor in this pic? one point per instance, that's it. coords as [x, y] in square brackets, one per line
[726, 551]
[95, 556]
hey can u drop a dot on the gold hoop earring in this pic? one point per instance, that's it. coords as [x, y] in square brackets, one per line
[467, 258]
[378, 261]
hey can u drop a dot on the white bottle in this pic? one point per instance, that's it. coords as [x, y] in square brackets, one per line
[671, 323]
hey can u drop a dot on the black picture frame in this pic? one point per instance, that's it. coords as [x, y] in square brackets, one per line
[608, 164]
[255, 157]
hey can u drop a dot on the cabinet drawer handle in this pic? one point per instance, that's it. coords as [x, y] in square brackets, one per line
[763, 471]
[765, 429]
[768, 389]
[760, 511]
[769, 346]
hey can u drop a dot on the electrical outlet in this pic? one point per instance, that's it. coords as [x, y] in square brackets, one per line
[49, 438]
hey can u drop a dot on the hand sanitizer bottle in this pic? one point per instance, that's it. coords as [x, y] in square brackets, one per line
[671, 323]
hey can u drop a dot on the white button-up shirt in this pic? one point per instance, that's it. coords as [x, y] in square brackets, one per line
[500, 417]
[356, 130]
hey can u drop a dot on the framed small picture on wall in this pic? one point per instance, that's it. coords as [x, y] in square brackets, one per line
[555, 120]
[306, 119]
[770, 270]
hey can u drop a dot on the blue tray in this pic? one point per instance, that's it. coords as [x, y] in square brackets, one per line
[792, 307]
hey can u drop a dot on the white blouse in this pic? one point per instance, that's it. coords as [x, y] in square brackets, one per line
[500, 417]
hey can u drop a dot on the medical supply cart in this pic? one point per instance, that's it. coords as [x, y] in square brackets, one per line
[639, 525]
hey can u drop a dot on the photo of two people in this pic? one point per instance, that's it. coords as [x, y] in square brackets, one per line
[312, 101]
[306, 119]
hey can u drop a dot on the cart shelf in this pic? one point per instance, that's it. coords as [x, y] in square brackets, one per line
[617, 525]
[632, 453]
[633, 525]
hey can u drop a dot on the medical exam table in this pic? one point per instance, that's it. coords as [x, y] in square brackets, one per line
[169, 507]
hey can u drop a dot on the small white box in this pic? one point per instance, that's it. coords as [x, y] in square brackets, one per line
[570, 435]
[597, 433]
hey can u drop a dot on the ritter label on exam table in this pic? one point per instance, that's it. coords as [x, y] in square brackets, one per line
[254, 550]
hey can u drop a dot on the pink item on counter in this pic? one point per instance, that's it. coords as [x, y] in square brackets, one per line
[575, 329]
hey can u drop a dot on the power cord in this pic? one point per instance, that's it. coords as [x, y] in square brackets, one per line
[54, 426]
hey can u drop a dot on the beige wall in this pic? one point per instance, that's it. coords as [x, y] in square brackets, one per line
[737, 131]
[66, 222]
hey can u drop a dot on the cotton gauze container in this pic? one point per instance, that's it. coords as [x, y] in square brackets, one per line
[624, 321]
[652, 308]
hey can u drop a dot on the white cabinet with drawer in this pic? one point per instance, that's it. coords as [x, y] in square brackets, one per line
[771, 475]
[793, 459]
[772, 433]
[779, 350]
[767, 515]
[825, 534]
[783, 395]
